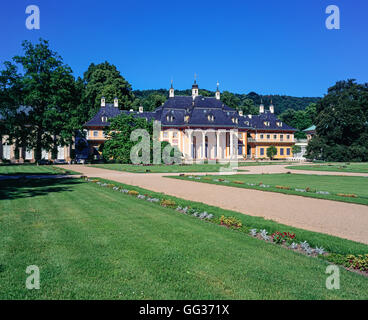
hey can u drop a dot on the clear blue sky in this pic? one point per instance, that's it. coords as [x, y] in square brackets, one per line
[266, 46]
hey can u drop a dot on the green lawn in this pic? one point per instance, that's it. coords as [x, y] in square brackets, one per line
[335, 167]
[206, 167]
[95, 243]
[331, 184]
[31, 169]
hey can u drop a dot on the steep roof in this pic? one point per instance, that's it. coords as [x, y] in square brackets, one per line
[186, 111]
[273, 123]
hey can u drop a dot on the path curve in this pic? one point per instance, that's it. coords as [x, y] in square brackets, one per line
[340, 219]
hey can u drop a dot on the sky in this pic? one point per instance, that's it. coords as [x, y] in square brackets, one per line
[266, 46]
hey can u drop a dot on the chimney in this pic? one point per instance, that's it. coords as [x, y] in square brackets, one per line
[261, 108]
[217, 94]
[171, 91]
[103, 104]
[240, 113]
[272, 108]
[195, 88]
[249, 116]
[140, 109]
[116, 102]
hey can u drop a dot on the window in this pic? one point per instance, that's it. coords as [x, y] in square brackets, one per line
[261, 136]
[104, 119]
[288, 136]
[275, 136]
[169, 118]
[262, 151]
[210, 118]
[279, 124]
[281, 151]
[268, 137]
[288, 151]
[165, 134]
[281, 137]
[266, 123]
[175, 134]
[95, 133]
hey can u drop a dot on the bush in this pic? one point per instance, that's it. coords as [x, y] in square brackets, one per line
[133, 192]
[281, 237]
[231, 222]
[347, 195]
[238, 182]
[283, 187]
[168, 203]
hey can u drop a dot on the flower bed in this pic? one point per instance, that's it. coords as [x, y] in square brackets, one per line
[286, 239]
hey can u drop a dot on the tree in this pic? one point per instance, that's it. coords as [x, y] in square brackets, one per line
[119, 145]
[341, 124]
[104, 79]
[296, 149]
[230, 99]
[271, 152]
[153, 101]
[40, 103]
[248, 107]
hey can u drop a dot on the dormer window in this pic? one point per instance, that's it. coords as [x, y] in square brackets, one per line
[104, 119]
[279, 124]
[234, 120]
[186, 118]
[211, 118]
[266, 123]
[169, 118]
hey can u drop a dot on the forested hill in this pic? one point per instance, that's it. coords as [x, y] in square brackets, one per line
[234, 100]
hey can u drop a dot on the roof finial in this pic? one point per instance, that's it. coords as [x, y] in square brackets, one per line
[217, 85]
[171, 83]
[195, 78]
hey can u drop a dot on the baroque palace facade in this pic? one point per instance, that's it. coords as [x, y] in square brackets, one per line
[205, 128]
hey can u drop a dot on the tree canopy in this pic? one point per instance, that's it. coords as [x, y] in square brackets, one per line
[104, 80]
[40, 102]
[342, 124]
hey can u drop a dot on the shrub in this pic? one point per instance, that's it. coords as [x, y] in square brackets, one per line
[281, 237]
[168, 203]
[133, 192]
[283, 187]
[347, 195]
[230, 222]
[359, 262]
[238, 182]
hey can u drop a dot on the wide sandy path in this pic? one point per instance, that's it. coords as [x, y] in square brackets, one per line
[340, 219]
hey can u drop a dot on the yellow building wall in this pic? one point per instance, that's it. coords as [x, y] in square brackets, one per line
[278, 156]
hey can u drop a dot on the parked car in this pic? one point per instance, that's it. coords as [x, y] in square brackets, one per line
[44, 162]
[60, 161]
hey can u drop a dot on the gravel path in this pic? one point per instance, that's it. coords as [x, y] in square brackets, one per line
[340, 219]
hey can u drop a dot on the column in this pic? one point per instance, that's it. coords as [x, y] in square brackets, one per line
[189, 153]
[203, 144]
[1, 148]
[218, 148]
[231, 144]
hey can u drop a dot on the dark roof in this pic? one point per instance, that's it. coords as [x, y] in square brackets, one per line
[108, 111]
[202, 112]
[258, 122]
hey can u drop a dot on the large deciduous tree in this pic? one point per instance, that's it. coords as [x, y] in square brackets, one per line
[104, 79]
[342, 124]
[40, 102]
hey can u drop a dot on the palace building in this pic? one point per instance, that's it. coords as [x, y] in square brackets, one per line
[205, 128]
